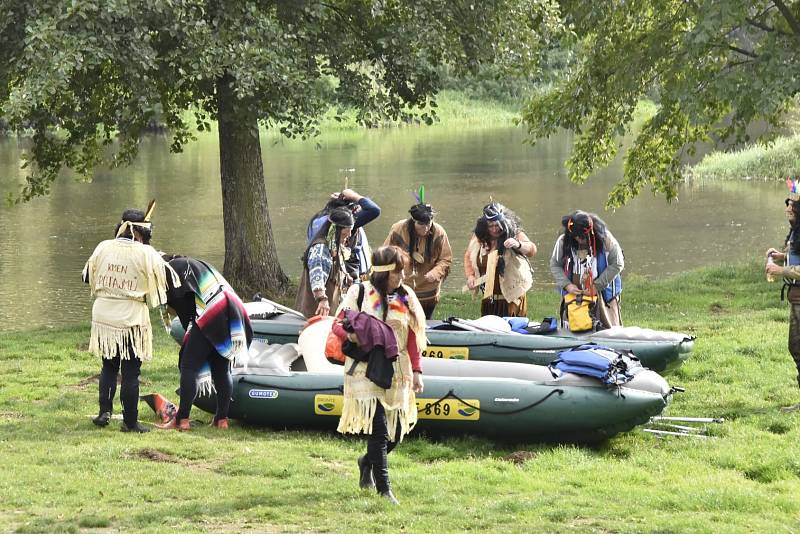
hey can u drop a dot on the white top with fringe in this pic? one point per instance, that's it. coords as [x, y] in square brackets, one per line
[125, 276]
[361, 395]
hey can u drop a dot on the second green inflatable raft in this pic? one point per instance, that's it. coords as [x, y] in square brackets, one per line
[658, 350]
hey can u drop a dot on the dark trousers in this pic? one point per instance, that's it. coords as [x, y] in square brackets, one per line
[196, 351]
[428, 306]
[794, 337]
[378, 449]
[129, 390]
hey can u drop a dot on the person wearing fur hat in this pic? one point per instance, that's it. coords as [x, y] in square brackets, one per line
[428, 248]
[785, 264]
[497, 260]
[126, 276]
[587, 261]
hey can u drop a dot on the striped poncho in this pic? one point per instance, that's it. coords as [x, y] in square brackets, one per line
[219, 312]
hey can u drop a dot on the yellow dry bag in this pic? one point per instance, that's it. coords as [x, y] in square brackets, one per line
[580, 312]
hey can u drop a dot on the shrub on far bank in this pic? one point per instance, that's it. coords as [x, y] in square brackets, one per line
[773, 161]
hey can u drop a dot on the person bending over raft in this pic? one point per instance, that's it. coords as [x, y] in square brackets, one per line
[385, 415]
[364, 211]
[786, 263]
[428, 247]
[125, 275]
[497, 253]
[587, 260]
[218, 332]
[324, 275]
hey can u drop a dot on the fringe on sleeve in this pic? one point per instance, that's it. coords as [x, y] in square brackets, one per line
[157, 272]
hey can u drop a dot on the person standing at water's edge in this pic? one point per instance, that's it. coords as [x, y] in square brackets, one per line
[497, 259]
[588, 260]
[386, 415]
[125, 275]
[786, 263]
[428, 247]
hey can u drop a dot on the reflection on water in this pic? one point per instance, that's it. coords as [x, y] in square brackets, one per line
[44, 244]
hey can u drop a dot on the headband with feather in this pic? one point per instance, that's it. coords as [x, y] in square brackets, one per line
[126, 226]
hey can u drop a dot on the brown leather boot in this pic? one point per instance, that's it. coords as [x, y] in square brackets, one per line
[222, 423]
[182, 425]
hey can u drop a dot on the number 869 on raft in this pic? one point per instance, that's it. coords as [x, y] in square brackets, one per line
[448, 353]
[426, 408]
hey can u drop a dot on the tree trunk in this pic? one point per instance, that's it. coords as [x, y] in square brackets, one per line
[251, 259]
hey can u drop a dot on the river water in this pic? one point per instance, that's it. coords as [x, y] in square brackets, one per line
[44, 243]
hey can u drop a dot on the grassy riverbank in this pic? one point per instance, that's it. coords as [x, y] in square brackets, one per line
[757, 162]
[460, 109]
[454, 109]
[63, 475]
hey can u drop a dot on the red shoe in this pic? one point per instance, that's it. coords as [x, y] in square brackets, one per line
[222, 423]
[182, 425]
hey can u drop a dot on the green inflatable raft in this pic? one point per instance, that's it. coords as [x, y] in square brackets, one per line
[658, 350]
[294, 386]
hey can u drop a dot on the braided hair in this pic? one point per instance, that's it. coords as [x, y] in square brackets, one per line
[583, 224]
[332, 204]
[339, 218]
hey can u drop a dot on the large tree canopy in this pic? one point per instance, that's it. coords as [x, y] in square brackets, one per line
[87, 76]
[714, 66]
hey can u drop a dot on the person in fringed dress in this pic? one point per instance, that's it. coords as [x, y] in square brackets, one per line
[385, 415]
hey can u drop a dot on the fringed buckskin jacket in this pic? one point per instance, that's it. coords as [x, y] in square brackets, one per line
[361, 395]
[125, 277]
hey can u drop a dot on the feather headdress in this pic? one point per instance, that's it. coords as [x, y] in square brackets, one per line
[794, 188]
[421, 212]
[419, 195]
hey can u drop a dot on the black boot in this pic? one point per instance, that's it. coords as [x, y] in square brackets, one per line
[366, 480]
[389, 496]
[137, 427]
[102, 419]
